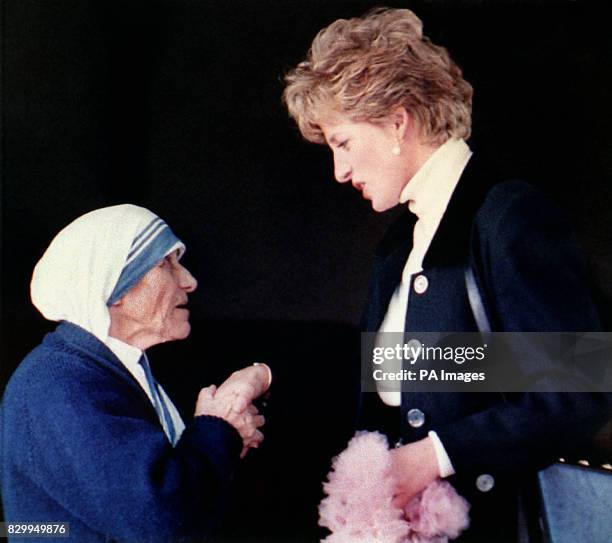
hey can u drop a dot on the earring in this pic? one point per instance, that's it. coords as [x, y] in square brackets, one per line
[396, 150]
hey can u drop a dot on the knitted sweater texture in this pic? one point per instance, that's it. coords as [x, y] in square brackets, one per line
[81, 443]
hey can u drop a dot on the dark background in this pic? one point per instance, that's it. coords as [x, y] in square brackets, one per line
[175, 105]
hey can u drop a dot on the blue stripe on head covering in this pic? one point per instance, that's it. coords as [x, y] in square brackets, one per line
[145, 235]
[148, 248]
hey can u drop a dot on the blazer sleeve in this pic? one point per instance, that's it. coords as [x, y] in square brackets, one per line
[532, 274]
[96, 448]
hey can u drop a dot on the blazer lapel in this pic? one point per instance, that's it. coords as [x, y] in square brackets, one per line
[389, 261]
[450, 245]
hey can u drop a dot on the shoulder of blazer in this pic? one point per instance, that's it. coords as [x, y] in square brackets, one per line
[450, 245]
[520, 198]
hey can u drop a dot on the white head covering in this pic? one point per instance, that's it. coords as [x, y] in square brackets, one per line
[95, 260]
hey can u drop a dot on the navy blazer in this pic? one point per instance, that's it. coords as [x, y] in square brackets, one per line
[82, 443]
[532, 276]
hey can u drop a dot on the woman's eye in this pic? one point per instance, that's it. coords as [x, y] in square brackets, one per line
[343, 144]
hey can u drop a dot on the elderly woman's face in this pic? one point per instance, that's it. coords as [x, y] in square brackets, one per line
[364, 155]
[153, 311]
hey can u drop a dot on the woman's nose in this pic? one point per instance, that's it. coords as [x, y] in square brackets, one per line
[187, 281]
[342, 171]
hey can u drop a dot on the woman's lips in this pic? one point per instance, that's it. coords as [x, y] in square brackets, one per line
[361, 187]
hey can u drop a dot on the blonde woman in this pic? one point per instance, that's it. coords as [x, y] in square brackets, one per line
[395, 110]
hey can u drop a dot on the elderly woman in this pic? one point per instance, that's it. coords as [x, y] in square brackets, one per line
[395, 111]
[89, 437]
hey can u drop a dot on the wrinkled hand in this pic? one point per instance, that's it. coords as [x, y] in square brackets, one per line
[415, 466]
[245, 422]
[244, 386]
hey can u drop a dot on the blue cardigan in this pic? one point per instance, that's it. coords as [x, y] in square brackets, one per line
[81, 443]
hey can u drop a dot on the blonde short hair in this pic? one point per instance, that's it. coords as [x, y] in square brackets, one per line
[366, 67]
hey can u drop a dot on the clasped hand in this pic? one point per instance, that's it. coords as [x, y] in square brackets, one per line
[233, 402]
[415, 466]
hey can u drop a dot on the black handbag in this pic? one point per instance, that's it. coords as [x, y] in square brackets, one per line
[575, 504]
[575, 500]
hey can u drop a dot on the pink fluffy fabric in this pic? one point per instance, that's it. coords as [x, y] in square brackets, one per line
[358, 507]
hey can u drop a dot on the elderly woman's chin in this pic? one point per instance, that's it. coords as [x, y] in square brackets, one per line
[182, 329]
[178, 328]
